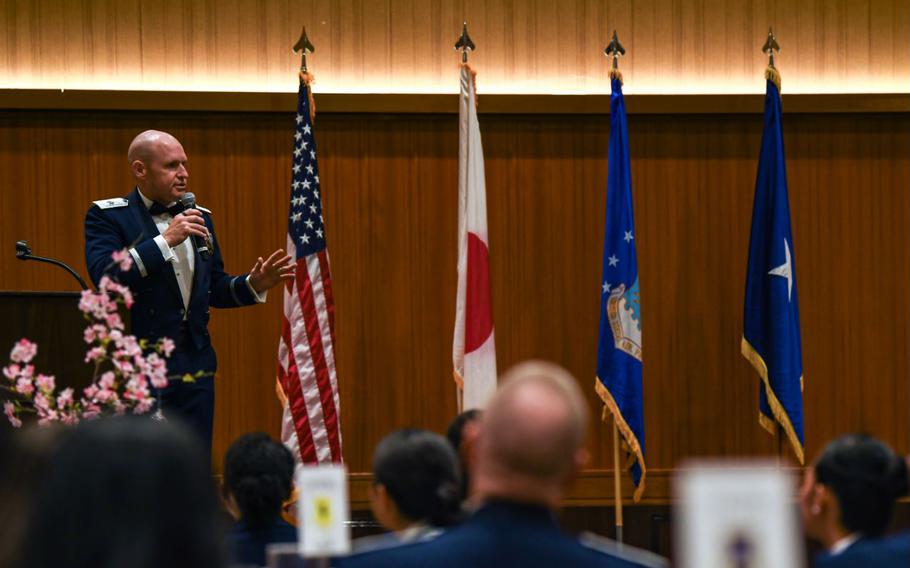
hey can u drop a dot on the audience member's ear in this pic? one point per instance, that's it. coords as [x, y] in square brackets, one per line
[579, 461]
[469, 438]
[582, 457]
[231, 505]
[821, 500]
[384, 508]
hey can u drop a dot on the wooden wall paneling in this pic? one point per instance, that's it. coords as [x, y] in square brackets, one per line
[396, 226]
[406, 45]
[390, 184]
[855, 198]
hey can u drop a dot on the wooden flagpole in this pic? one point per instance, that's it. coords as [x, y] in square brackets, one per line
[617, 487]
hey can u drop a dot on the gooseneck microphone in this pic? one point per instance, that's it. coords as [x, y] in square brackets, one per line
[24, 252]
[201, 244]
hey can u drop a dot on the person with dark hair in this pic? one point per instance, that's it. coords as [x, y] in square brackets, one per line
[258, 479]
[125, 492]
[416, 487]
[847, 500]
[462, 434]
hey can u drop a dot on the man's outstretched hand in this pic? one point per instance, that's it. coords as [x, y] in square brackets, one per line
[272, 271]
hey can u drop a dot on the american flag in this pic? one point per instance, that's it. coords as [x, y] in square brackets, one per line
[311, 426]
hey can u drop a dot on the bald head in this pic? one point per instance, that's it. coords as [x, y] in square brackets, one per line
[158, 164]
[145, 145]
[532, 434]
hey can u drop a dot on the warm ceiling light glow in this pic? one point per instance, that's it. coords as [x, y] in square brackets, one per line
[426, 85]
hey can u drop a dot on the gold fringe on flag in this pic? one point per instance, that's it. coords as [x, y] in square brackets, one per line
[777, 409]
[308, 79]
[616, 74]
[773, 75]
[459, 380]
[629, 440]
[279, 392]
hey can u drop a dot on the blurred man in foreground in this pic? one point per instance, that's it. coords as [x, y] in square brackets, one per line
[529, 451]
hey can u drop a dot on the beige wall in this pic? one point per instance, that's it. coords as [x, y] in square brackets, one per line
[524, 46]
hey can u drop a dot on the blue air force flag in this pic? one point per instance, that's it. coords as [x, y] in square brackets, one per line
[619, 347]
[771, 340]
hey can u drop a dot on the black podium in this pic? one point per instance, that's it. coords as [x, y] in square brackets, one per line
[54, 322]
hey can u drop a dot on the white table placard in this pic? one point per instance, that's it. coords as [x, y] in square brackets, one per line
[323, 511]
[736, 515]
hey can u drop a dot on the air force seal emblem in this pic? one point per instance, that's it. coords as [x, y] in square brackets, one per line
[625, 319]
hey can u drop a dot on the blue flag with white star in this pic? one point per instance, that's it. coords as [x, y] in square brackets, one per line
[619, 347]
[771, 340]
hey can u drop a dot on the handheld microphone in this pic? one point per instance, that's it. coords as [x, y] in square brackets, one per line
[201, 244]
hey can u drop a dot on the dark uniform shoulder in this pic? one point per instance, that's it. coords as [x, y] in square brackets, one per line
[623, 553]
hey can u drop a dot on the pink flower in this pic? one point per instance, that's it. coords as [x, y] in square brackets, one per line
[70, 418]
[90, 391]
[130, 346]
[89, 334]
[10, 410]
[106, 395]
[46, 417]
[143, 406]
[125, 366]
[65, 399]
[135, 387]
[91, 411]
[166, 346]
[107, 380]
[110, 287]
[25, 386]
[100, 332]
[159, 381]
[124, 259]
[119, 408]
[45, 382]
[11, 371]
[95, 354]
[89, 302]
[42, 404]
[157, 371]
[113, 320]
[24, 351]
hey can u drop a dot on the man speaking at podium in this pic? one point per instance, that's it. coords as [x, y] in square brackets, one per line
[177, 271]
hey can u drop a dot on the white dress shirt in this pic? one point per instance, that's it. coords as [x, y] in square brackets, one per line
[182, 257]
[843, 544]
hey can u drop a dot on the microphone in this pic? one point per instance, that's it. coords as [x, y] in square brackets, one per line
[201, 244]
[24, 252]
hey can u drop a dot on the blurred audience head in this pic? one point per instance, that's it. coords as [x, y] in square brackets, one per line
[26, 453]
[531, 442]
[462, 433]
[125, 491]
[416, 479]
[851, 489]
[258, 478]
